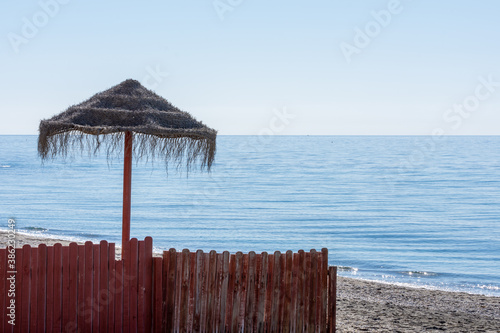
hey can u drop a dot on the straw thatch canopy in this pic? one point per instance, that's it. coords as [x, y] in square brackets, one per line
[159, 128]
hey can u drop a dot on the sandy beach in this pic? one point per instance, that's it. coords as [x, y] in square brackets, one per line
[364, 306]
[33, 240]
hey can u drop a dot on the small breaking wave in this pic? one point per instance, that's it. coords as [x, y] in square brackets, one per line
[84, 235]
[418, 273]
[347, 269]
[34, 229]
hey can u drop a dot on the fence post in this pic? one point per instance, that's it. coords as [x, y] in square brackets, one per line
[324, 288]
[149, 283]
[332, 298]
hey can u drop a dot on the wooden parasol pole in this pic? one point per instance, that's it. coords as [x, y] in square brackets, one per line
[127, 189]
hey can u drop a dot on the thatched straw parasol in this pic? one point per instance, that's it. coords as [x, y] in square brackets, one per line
[149, 124]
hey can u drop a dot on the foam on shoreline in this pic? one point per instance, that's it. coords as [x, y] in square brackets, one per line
[33, 235]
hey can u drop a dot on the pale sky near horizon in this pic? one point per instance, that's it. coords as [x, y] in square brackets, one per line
[337, 67]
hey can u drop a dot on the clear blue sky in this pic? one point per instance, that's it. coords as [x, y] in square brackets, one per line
[236, 64]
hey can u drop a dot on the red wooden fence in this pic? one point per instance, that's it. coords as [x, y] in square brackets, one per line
[83, 288]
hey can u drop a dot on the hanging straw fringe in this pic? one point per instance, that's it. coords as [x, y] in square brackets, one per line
[160, 129]
[178, 150]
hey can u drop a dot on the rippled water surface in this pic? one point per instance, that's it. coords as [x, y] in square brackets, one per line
[416, 210]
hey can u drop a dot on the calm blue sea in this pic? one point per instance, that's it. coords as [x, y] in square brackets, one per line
[404, 210]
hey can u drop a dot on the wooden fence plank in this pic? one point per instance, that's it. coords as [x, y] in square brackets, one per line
[103, 294]
[212, 290]
[119, 296]
[198, 280]
[42, 287]
[25, 314]
[307, 292]
[237, 292]
[171, 270]
[149, 283]
[204, 293]
[184, 290]
[157, 294]
[230, 293]
[133, 266]
[250, 292]
[126, 286]
[19, 290]
[23, 319]
[169, 263]
[72, 291]
[58, 287]
[295, 288]
[80, 306]
[96, 287]
[65, 287]
[224, 291]
[88, 301]
[300, 313]
[282, 291]
[319, 283]
[256, 291]
[218, 291]
[269, 293]
[332, 298]
[256, 299]
[192, 291]
[260, 301]
[287, 285]
[111, 287]
[164, 281]
[177, 285]
[34, 289]
[313, 290]
[177, 294]
[324, 288]
[275, 302]
[141, 289]
[243, 293]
